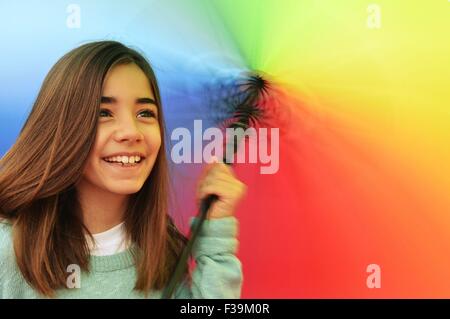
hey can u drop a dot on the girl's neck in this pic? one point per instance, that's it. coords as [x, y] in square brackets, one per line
[101, 209]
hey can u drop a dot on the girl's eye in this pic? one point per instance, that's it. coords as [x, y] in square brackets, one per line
[149, 113]
[104, 111]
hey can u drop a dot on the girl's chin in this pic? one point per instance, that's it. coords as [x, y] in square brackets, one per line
[123, 189]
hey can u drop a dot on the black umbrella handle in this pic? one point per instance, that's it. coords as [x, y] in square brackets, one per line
[180, 269]
[182, 262]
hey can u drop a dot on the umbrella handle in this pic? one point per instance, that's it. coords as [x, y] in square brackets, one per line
[182, 262]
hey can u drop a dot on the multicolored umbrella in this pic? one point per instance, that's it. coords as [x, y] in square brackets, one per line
[359, 91]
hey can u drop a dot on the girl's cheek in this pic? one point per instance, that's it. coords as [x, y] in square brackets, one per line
[154, 138]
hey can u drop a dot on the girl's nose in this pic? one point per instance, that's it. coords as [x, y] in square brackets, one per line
[128, 130]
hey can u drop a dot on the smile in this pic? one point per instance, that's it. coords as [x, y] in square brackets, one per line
[124, 159]
[122, 165]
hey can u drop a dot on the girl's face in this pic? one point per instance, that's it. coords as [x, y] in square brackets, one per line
[128, 136]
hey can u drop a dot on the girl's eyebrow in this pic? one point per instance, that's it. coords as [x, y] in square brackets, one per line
[113, 100]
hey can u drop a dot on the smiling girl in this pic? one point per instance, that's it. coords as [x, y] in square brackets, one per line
[85, 187]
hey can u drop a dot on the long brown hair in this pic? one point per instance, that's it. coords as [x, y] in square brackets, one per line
[38, 176]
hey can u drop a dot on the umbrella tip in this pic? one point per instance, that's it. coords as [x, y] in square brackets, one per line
[256, 82]
[259, 81]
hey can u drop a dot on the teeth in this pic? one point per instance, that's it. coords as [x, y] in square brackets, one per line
[124, 159]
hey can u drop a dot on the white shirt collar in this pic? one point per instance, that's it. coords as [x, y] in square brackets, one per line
[109, 242]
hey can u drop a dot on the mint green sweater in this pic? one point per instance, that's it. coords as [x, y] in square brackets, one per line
[218, 272]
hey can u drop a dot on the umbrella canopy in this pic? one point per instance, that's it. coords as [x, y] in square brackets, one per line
[358, 91]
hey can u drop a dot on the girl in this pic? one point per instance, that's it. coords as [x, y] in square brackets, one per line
[84, 190]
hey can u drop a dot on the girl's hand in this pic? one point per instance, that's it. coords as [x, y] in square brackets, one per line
[218, 178]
